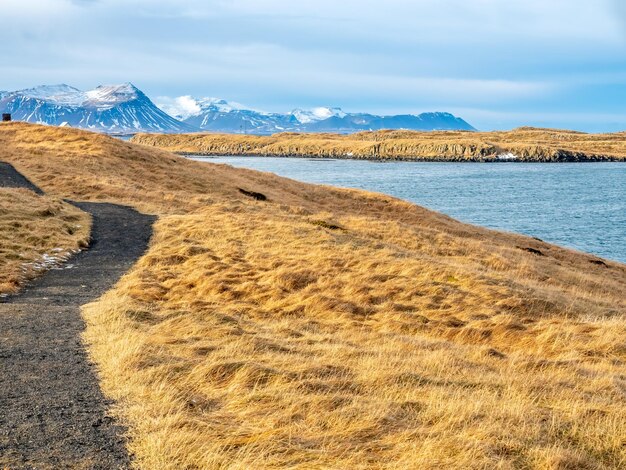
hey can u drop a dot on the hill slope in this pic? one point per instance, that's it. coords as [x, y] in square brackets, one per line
[523, 144]
[36, 234]
[325, 327]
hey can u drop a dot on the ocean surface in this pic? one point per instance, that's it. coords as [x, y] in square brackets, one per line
[578, 205]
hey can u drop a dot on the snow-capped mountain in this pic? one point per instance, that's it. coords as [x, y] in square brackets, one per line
[217, 115]
[115, 109]
[185, 107]
[126, 109]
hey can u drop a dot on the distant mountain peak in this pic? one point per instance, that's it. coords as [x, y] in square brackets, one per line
[60, 93]
[187, 106]
[305, 116]
[44, 91]
[106, 108]
[222, 105]
[112, 95]
[122, 88]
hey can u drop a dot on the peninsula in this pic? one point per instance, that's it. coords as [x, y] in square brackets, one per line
[525, 144]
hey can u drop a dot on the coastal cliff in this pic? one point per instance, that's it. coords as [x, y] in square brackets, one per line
[522, 144]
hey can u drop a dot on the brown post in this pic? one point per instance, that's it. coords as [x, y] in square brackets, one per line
[6, 117]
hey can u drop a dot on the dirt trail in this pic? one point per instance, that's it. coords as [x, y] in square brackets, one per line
[52, 412]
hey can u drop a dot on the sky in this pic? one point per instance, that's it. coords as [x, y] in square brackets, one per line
[498, 64]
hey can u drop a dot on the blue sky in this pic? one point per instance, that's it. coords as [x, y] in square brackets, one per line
[497, 63]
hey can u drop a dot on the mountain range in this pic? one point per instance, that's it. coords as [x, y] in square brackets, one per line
[126, 109]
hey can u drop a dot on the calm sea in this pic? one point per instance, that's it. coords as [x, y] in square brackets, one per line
[579, 205]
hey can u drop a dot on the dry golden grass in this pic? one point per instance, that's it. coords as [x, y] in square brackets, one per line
[330, 328]
[528, 144]
[36, 232]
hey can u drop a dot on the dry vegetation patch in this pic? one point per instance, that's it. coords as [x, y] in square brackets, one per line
[268, 342]
[36, 233]
[328, 328]
[523, 144]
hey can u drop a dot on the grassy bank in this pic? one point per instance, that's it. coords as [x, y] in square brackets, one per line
[524, 144]
[324, 327]
[36, 233]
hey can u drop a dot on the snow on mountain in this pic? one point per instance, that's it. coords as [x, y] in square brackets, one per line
[59, 94]
[241, 120]
[219, 115]
[316, 114]
[112, 108]
[223, 106]
[185, 107]
[109, 96]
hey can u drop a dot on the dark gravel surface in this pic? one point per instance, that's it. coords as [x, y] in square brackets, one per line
[52, 412]
[10, 178]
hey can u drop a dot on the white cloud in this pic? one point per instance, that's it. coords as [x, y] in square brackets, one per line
[182, 106]
[22, 10]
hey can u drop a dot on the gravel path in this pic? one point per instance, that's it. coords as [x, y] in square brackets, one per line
[52, 412]
[10, 178]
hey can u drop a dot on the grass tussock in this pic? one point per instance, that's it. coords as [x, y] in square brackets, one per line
[36, 232]
[526, 144]
[329, 328]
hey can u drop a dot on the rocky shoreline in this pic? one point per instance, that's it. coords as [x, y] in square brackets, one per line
[562, 158]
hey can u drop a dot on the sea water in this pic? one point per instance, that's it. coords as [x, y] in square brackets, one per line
[578, 205]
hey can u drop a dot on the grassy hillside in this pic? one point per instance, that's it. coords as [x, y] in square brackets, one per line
[36, 233]
[525, 144]
[337, 328]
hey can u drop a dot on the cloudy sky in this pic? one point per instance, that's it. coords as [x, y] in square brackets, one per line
[496, 63]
